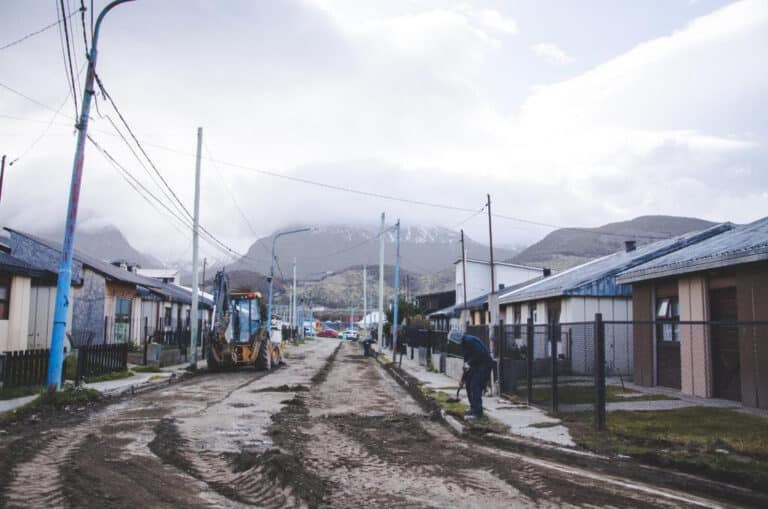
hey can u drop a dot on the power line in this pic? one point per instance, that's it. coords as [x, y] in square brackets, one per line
[234, 200]
[36, 32]
[210, 238]
[138, 144]
[69, 55]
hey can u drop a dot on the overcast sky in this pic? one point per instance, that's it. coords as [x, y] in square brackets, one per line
[569, 113]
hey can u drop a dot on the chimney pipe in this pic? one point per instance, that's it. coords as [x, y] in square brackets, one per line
[630, 245]
[546, 272]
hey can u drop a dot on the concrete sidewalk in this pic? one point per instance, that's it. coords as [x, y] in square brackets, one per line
[522, 420]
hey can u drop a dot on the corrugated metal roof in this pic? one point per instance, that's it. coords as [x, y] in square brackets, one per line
[104, 268]
[598, 277]
[742, 244]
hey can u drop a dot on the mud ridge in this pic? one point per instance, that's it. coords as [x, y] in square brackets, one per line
[284, 388]
[321, 375]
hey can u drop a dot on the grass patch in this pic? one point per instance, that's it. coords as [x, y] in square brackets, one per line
[50, 401]
[723, 444]
[585, 394]
[19, 392]
[157, 377]
[151, 368]
[384, 359]
[459, 410]
[117, 375]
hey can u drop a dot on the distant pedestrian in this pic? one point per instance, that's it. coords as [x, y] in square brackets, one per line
[478, 362]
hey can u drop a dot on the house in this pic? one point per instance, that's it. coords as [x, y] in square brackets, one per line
[431, 302]
[27, 294]
[478, 277]
[702, 317]
[171, 276]
[572, 298]
[110, 301]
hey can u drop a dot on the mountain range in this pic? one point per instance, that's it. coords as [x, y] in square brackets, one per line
[330, 258]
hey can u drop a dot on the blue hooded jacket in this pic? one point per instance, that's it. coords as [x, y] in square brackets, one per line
[476, 354]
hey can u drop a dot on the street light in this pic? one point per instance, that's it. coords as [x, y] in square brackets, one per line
[272, 272]
[64, 281]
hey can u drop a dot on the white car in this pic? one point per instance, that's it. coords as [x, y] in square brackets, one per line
[351, 334]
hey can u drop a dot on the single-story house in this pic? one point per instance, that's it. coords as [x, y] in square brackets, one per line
[478, 272]
[572, 298]
[708, 308]
[27, 294]
[108, 300]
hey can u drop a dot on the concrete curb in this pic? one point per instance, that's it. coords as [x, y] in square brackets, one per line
[622, 467]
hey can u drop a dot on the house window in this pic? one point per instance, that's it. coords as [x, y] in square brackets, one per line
[668, 313]
[5, 295]
[167, 317]
[516, 320]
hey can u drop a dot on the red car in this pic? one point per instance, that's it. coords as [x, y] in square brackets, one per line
[328, 333]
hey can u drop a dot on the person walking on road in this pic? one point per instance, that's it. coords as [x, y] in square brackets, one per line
[478, 360]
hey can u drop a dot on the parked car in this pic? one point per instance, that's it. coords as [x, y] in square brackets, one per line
[328, 333]
[351, 334]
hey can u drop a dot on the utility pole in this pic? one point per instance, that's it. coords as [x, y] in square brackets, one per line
[381, 285]
[365, 294]
[202, 282]
[195, 239]
[2, 175]
[293, 297]
[397, 290]
[272, 272]
[490, 241]
[463, 268]
[64, 282]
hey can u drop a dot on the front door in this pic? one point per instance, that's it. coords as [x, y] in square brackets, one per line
[726, 366]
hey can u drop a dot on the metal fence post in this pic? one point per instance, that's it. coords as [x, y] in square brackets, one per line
[599, 334]
[529, 360]
[502, 339]
[146, 338]
[553, 336]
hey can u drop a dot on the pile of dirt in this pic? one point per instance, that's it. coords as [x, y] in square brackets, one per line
[321, 375]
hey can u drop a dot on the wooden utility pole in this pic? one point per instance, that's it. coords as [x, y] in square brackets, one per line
[2, 176]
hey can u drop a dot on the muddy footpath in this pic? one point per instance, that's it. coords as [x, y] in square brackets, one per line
[331, 429]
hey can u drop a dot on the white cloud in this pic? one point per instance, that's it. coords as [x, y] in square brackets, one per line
[552, 52]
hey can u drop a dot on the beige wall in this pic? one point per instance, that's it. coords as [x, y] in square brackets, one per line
[695, 348]
[13, 332]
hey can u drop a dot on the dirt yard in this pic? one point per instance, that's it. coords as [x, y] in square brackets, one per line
[332, 429]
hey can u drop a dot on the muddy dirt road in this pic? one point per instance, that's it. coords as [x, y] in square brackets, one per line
[332, 429]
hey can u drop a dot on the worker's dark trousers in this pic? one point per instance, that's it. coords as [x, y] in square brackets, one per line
[478, 377]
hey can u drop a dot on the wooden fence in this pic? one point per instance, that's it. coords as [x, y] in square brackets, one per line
[25, 368]
[98, 360]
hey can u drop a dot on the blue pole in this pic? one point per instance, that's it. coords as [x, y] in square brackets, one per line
[65, 268]
[397, 290]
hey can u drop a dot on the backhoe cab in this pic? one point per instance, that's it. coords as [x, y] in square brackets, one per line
[239, 332]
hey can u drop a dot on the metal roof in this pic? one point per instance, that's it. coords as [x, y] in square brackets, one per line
[598, 277]
[14, 265]
[106, 269]
[503, 264]
[741, 244]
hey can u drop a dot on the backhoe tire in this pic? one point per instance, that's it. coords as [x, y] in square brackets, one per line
[263, 360]
[213, 364]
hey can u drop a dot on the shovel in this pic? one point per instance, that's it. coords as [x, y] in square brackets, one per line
[461, 383]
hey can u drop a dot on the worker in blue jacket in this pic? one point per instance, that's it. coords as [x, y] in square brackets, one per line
[477, 358]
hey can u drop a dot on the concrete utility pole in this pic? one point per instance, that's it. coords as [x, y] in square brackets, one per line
[490, 242]
[2, 175]
[381, 285]
[365, 293]
[195, 240]
[397, 290]
[293, 296]
[64, 282]
[463, 268]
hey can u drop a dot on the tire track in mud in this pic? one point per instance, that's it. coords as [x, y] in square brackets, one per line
[26, 488]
